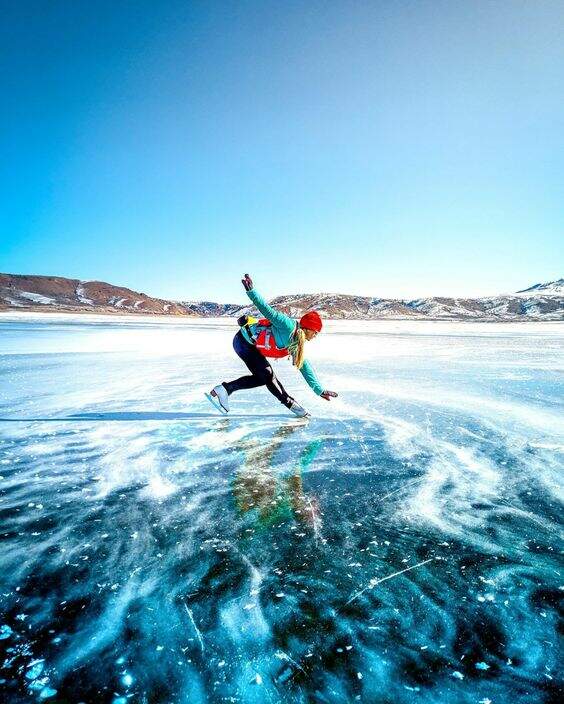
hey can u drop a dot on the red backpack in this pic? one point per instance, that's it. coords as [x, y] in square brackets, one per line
[265, 342]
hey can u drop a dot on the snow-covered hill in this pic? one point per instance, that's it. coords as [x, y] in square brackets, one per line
[552, 288]
[536, 305]
[209, 309]
[539, 302]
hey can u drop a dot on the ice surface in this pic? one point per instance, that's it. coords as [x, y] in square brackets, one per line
[404, 545]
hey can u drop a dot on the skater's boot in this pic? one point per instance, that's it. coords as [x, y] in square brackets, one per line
[220, 398]
[298, 410]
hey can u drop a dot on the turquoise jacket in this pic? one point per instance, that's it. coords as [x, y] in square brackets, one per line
[283, 328]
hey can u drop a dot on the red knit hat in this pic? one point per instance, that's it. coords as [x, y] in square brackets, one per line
[311, 321]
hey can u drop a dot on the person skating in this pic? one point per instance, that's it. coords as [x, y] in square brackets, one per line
[276, 335]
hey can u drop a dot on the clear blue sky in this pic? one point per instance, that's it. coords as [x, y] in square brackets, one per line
[386, 147]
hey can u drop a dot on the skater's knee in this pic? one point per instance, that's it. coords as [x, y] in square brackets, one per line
[266, 375]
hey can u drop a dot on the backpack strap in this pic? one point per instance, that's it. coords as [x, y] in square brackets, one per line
[266, 345]
[264, 323]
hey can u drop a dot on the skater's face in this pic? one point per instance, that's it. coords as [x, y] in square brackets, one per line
[309, 334]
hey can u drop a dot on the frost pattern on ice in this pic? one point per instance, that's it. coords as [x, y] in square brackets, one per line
[403, 545]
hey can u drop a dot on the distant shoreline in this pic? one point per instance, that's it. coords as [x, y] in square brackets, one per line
[81, 311]
[172, 318]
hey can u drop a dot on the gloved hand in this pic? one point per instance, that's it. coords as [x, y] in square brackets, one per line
[247, 282]
[328, 394]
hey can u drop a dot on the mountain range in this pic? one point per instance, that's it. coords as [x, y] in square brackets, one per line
[543, 301]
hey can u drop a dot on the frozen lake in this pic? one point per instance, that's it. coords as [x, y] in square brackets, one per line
[402, 546]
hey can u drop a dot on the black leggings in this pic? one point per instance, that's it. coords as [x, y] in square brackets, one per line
[262, 373]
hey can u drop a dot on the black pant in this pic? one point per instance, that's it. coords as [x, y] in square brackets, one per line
[262, 373]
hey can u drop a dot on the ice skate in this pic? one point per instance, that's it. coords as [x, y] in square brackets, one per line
[299, 411]
[219, 398]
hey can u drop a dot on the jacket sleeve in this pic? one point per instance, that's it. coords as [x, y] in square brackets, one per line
[276, 317]
[311, 378]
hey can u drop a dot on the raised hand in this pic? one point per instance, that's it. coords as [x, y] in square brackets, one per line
[247, 282]
[328, 394]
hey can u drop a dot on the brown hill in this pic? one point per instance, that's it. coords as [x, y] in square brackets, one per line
[55, 293]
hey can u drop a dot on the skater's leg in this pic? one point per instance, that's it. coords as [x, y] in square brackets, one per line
[245, 351]
[243, 382]
[276, 389]
[261, 371]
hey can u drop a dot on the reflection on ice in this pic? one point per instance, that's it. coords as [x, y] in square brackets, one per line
[402, 546]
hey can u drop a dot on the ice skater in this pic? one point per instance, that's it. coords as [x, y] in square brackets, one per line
[275, 335]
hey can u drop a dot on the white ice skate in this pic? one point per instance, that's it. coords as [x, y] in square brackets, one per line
[299, 411]
[219, 397]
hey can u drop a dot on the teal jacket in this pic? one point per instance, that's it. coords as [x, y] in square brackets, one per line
[283, 328]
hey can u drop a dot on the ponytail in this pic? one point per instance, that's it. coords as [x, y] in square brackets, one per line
[297, 347]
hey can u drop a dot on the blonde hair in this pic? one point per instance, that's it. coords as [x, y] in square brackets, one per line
[296, 347]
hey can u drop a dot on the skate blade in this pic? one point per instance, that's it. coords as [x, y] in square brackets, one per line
[215, 403]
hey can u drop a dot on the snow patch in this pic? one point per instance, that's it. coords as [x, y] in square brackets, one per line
[80, 295]
[37, 298]
[117, 302]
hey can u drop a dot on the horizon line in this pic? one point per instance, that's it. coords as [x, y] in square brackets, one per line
[313, 293]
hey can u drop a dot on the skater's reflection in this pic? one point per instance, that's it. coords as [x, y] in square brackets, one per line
[272, 487]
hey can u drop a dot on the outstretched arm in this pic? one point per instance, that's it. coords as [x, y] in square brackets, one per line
[276, 317]
[310, 376]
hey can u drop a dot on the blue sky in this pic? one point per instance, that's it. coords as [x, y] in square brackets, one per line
[387, 148]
